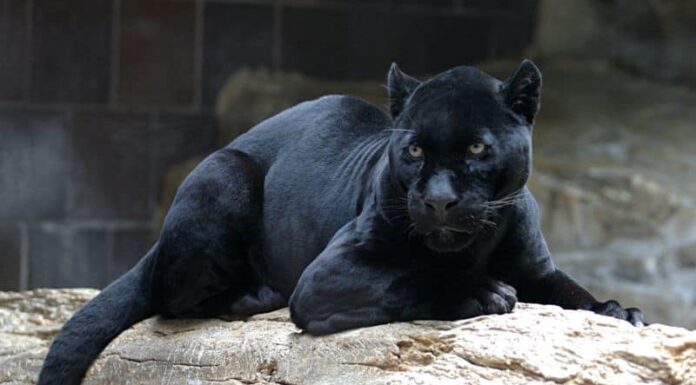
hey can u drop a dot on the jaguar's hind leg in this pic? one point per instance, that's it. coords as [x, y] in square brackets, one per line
[207, 259]
[263, 300]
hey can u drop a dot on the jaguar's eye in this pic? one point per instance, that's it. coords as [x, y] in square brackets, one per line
[477, 148]
[415, 151]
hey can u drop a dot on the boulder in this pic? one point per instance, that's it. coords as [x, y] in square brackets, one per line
[533, 345]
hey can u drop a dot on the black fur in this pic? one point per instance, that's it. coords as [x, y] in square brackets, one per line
[353, 217]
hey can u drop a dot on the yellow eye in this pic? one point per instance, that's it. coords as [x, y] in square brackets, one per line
[415, 151]
[477, 148]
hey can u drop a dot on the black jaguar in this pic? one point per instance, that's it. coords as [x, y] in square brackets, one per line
[353, 217]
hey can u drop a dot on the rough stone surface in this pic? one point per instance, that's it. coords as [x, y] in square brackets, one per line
[28, 321]
[533, 345]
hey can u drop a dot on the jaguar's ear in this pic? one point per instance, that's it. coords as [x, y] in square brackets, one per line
[522, 90]
[400, 88]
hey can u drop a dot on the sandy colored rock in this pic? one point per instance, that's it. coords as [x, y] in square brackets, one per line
[28, 322]
[533, 345]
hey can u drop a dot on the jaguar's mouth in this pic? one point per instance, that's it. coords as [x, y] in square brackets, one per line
[453, 229]
[450, 239]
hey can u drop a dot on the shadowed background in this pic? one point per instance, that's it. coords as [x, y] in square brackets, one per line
[106, 104]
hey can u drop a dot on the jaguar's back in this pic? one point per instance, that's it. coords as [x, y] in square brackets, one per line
[317, 156]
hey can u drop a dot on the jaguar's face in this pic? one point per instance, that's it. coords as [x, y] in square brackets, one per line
[460, 149]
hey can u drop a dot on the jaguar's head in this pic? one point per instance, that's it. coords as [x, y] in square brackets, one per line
[460, 148]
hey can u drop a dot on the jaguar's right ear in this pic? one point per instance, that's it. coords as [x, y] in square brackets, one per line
[522, 90]
[400, 86]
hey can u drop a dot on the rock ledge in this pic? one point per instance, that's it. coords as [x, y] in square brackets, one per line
[533, 345]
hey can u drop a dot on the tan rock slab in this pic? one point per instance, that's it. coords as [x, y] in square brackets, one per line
[534, 345]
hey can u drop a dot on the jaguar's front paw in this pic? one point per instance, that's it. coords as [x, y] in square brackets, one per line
[613, 309]
[490, 296]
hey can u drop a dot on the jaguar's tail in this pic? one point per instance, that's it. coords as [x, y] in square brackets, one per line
[120, 305]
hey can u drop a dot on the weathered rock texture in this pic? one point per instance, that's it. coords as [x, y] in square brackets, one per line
[534, 345]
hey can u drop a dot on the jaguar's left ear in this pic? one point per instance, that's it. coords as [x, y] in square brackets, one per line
[400, 86]
[522, 90]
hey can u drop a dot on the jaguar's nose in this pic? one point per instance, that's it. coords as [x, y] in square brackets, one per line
[440, 203]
